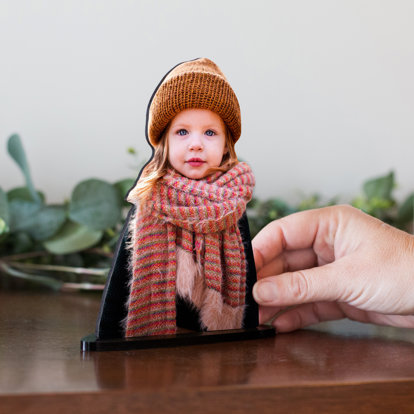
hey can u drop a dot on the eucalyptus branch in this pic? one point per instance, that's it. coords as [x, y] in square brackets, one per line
[44, 280]
[82, 286]
[57, 268]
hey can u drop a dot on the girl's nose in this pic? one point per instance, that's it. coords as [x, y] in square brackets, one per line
[195, 143]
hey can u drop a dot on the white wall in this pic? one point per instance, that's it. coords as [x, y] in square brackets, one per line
[326, 87]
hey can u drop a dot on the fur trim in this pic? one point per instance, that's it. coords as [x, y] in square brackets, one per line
[199, 287]
[186, 272]
[190, 283]
[216, 315]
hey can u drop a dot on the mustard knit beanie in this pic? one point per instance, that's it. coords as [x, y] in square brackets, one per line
[195, 84]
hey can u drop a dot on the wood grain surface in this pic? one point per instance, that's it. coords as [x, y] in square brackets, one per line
[335, 367]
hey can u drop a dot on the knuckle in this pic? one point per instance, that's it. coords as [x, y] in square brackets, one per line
[300, 286]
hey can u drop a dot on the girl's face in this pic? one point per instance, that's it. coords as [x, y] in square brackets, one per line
[196, 142]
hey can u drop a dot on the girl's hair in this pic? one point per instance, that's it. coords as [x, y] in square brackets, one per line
[158, 166]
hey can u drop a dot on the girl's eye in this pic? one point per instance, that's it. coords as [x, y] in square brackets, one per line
[182, 132]
[210, 133]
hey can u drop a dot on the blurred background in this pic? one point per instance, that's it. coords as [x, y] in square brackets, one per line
[326, 87]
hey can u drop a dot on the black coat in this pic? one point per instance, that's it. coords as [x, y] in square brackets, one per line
[115, 296]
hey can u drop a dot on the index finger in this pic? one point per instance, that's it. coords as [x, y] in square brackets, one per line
[297, 231]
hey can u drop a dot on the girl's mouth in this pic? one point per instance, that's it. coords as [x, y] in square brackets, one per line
[195, 162]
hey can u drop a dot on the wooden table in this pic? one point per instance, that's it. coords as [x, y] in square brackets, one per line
[339, 367]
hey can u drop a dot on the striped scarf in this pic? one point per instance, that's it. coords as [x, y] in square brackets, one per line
[199, 216]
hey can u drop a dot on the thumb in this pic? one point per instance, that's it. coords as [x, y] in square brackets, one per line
[311, 285]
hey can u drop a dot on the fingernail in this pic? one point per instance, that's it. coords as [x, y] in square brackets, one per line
[265, 292]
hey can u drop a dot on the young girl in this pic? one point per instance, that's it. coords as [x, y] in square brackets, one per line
[190, 257]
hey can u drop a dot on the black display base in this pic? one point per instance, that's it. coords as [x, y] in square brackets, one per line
[91, 343]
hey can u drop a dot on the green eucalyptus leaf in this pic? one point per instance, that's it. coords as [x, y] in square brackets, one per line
[95, 204]
[21, 242]
[4, 213]
[23, 193]
[359, 202]
[16, 151]
[71, 238]
[406, 210]
[123, 186]
[381, 204]
[40, 222]
[21, 214]
[46, 222]
[380, 188]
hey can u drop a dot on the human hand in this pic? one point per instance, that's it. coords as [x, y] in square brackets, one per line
[332, 263]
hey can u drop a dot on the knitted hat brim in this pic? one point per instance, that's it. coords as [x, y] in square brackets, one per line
[192, 89]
